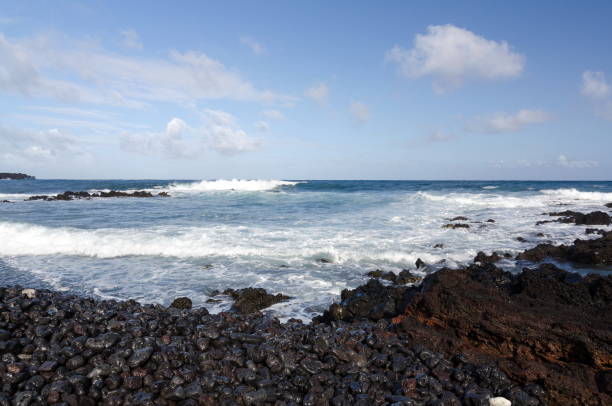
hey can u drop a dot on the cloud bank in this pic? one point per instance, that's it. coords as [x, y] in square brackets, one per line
[71, 71]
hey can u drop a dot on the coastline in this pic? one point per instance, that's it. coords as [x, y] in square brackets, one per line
[470, 336]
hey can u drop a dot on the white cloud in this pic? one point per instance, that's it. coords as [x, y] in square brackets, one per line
[89, 73]
[561, 161]
[17, 145]
[318, 92]
[439, 136]
[506, 123]
[594, 85]
[565, 162]
[452, 55]
[360, 111]
[131, 39]
[224, 135]
[255, 46]
[219, 133]
[273, 114]
[596, 88]
[262, 126]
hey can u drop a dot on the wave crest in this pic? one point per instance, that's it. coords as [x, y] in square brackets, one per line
[575, 194]
[245, 185]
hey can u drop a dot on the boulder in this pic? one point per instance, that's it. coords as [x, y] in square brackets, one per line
[182, 303]
[251, 300]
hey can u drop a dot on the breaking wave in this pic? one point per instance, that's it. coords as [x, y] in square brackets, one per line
[245, 185]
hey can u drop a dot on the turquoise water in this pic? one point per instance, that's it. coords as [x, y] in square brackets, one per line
[273, 234]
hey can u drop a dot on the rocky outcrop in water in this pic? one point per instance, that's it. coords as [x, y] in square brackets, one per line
[404, 276]
[66, 350]
[588, 252]
[251, 300]
[15, 176]
[589, 219]
[68, 195]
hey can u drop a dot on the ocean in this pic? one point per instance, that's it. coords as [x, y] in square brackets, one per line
[308, 239]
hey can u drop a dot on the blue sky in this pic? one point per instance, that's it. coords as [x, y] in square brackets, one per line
[351, 90]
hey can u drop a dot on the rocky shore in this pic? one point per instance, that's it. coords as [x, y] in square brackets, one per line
[15, 176]
[474, 336]
[69, 195]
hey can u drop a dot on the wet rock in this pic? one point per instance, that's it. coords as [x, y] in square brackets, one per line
[591, 252]
[419, 263]
[594, 231]
[589, 219]
[69, 195]
[459, 218]
[182, 303]
[490, 221]
[250, 300]
[139, 357]
[405, 276]
[438, 246]
[486, 259]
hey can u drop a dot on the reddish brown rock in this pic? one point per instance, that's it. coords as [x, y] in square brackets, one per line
[545, 325]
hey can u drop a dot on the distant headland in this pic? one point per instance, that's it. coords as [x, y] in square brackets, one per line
[15, 176]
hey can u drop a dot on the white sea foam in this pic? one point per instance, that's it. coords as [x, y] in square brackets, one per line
[246, 185]
[573, 194]
[490, 187]
[15, 196]
[484, 200]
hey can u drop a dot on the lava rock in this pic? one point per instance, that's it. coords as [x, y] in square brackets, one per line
[250, 300]
[182, 303]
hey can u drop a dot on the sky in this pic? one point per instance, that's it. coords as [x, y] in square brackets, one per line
[306, 90]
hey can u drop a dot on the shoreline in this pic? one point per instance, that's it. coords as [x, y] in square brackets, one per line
[476, 335]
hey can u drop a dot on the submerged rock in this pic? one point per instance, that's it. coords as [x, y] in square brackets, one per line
[457, 225]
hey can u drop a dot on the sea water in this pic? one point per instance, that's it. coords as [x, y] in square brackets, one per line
[308, 239]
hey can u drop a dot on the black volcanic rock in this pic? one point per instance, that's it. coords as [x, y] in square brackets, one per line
[589, 219]
[15, 176]
[250, 300]
[68, 195]
[182, 303]
[589, 252]
[66, 350]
